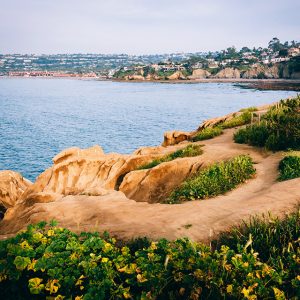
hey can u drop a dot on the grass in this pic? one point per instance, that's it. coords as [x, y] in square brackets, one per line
[188, 151]
[208, 133]
[289, 167]
[239, 120]
[214, 180]
[258, 260]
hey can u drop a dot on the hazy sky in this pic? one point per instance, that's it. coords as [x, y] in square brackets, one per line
[143, 26]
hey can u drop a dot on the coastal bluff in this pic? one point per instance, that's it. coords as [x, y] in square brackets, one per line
[88, 190]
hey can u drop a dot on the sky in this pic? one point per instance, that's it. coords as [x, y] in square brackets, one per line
[143, 26]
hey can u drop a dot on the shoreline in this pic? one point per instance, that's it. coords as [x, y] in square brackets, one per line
[259, 84]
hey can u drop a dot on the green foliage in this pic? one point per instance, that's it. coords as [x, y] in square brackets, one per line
[214, 180]
[239, 120]
[64, 265]
[289, 167]
[188, 151]
[279, 130]
[208, 133]
[277, 242]
[255, 135]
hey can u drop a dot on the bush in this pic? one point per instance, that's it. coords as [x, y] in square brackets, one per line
[214, 180]
[255, 135]
[289, 167]
[280, 129]
[188, 151]
[54, 263]
[239, 120]
[208, 133]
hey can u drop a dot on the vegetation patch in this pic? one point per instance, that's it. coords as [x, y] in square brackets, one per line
[289, 167]
[214, 180]
[208, 133]
[241, 119]
[279, 130]
[259, 260]
[188, 151]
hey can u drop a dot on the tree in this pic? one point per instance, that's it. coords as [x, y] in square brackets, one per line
[275, 44]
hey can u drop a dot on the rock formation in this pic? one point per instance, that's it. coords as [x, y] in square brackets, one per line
[228, 73]
[177, 76]
[199, 74]
[260, 71]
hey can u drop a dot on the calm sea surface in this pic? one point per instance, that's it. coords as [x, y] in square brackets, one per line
[41, 117]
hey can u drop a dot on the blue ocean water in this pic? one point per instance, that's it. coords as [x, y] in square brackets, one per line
[40, 117]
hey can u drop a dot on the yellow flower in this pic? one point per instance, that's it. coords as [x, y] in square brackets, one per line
[104, 260]
[298, 277]
[79, 297]
[246, 264]
[150, 255]
[153, 246]
[79, 281]
[32, 265]
[50, 232]
[229, 288]
[35, 285]
[279, 295]
[52, 286]
[59, 297]
[25, 245]
[2, 277]
[140, 278]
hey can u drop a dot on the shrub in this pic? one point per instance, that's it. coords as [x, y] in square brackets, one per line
[289, 167]
[255, 135]
[208, 133]
[214, 180]
[188, 151]
[54, 263]
[279, 130]
[242, 119]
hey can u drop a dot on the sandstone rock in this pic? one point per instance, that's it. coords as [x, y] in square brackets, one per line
[134, 77]
[12, 186]
[155, 185]
[176, 76]
[259, 70]
[199, 74]
[88, 171]
[175, 137]
[228, 73]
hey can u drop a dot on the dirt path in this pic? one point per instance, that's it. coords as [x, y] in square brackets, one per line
[198, 220]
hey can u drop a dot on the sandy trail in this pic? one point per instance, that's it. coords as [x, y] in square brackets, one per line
[198, 220]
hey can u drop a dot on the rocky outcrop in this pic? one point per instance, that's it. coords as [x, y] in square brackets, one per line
[199, 74]
[12, 186]
[260, 71]
[175, 137]
[177, 76]
[134, 77]
[155, 185]
[88, 171]
[228, 73]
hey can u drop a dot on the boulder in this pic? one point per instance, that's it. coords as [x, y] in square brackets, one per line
[177, 76]
[175, 137]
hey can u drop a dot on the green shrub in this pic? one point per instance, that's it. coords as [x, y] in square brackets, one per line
[289, 167]
[188, 151]
[214, 180]
[279, 130]
[208, 133]
[48, 262]
[255, 135]
[242, 119]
